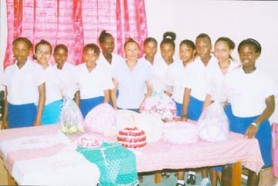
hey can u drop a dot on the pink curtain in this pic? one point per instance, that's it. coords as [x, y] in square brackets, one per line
[75, 23]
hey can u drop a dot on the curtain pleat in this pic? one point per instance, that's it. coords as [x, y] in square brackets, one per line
[74, 23]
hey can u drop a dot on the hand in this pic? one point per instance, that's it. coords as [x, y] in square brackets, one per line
[251, 131]
[183, 118]
[37, 123]
[4, 125]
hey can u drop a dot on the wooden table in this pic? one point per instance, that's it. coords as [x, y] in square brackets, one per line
[155, 156]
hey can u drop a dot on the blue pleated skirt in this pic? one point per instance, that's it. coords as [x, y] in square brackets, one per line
[88, 104]
[51, 112]
[264, 137]
[195, 108]
[21, 115]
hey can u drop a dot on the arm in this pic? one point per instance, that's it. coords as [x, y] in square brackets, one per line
[169, 90]
[148, 93]
[186, 97]
[270, 106]
[106, 96]
[5, 110]
[77, 98]
[207, 101]
[114, 94]
[41, 102]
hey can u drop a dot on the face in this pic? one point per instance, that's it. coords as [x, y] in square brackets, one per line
[108, 45]
[132, 51]
[90, 56]
[186, 53]
[203, 47]
[21, 51]
[60, 56]
[248, 55]
[43, 53]
[222, 51]
[150, 49]
[167, 52]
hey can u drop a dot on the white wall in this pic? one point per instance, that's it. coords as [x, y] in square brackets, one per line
[235, 19]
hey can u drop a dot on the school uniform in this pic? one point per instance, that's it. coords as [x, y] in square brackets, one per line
[215, 79]
[176, 79]
[53, 94]
[22, 86]
[115, 60]
[196, 81]
[92, 85]
[67, 76]
[214, 85]
[246, 94]
[159, 78]
[131, 84]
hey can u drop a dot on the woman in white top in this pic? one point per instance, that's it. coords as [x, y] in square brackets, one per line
[215, 77]
[93, 79]
[130, 79]
[195, 91]
[150, 50]
[176, 75]
[24, 88]
[251, 96]
[176, 72]
[107, 56]
[66, 71]
[161, 67]
[53, 85]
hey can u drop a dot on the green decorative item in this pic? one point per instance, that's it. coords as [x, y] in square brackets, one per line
[116, 164]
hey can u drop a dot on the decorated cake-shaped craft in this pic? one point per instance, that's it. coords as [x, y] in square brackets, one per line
[132, 137]
[180, 133]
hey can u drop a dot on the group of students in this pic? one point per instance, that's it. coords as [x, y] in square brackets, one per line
[35, 91]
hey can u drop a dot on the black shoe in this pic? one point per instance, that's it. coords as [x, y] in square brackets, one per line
[179, 184]
[191, 179]
[165, 174]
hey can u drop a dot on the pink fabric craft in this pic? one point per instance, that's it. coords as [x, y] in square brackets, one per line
[180, 133]
[100, 119]
[213, 124]
[160, 105]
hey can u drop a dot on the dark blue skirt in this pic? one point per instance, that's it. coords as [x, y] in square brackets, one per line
[86, 105]
[21, 115]
[195, 108]
[240, 125]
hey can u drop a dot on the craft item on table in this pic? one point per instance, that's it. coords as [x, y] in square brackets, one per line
[274, 128]
[88, 141]
[33, 142]
[213, 124]
[116, 164]
[71, 120]
[151, 124]
[64, 168]
[132, 138]
[101, 119]
[161, 105]
[180, 132]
